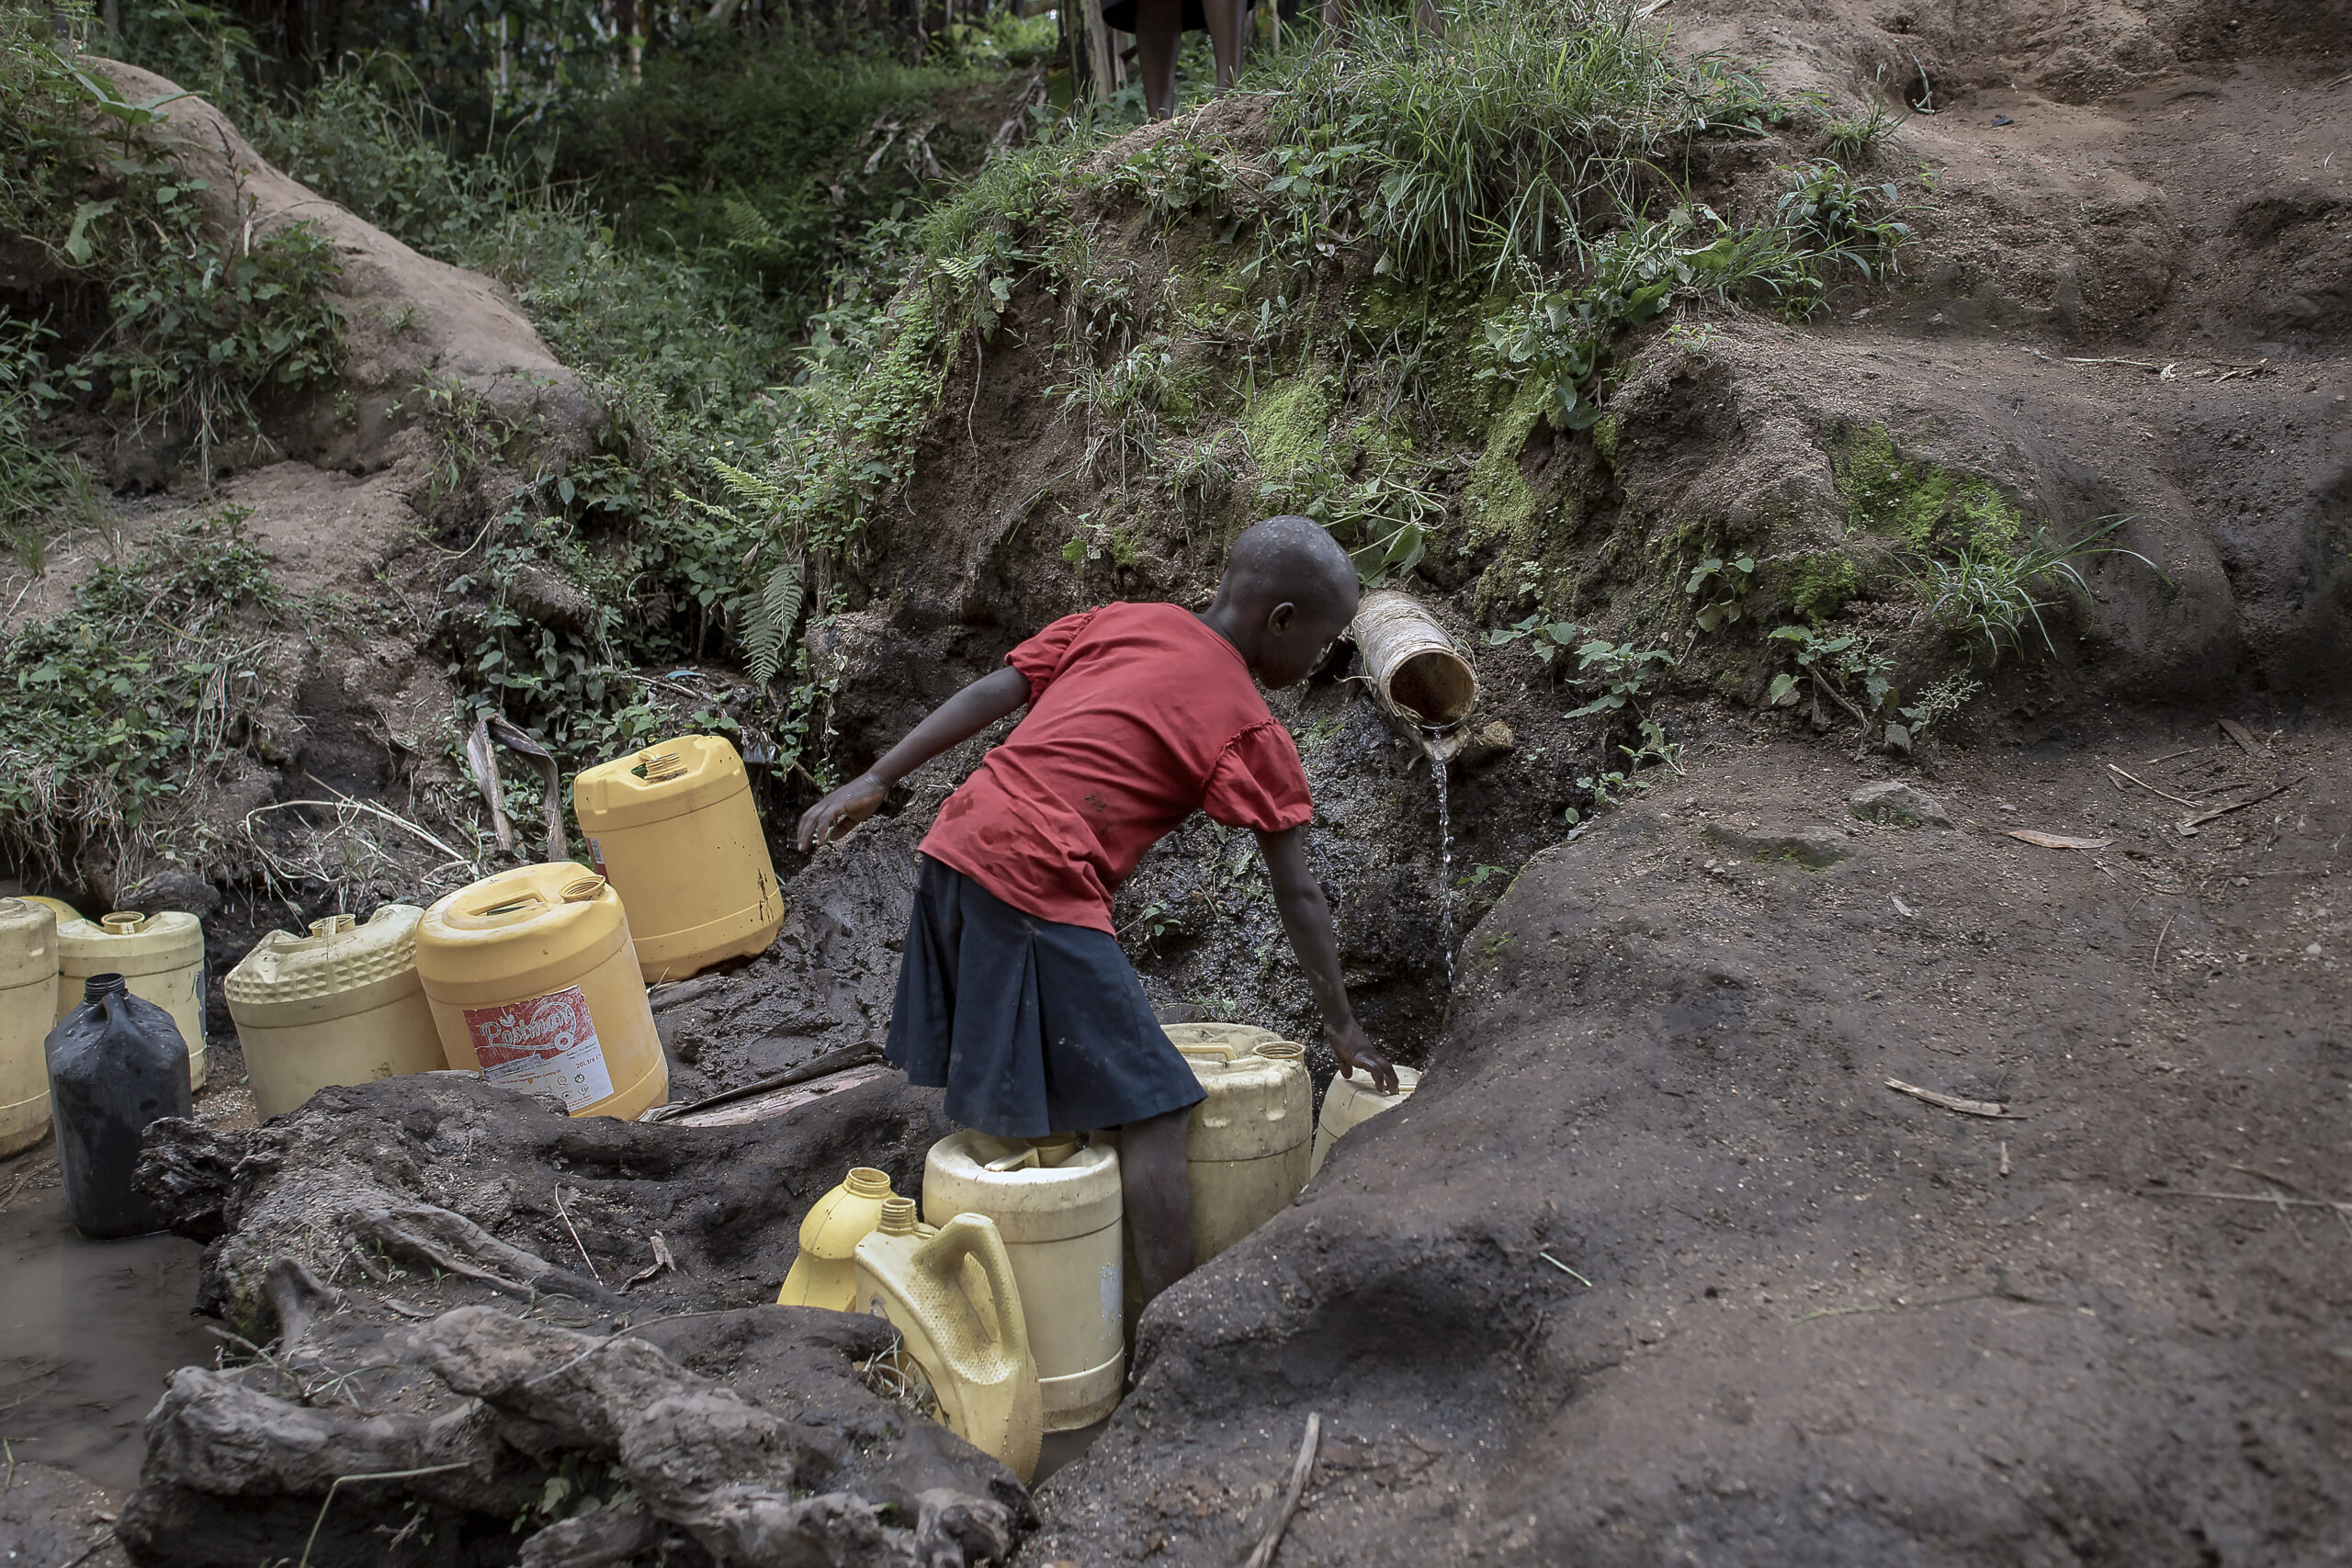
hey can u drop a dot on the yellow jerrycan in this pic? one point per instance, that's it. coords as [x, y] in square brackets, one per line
[1351, 1103]
[160, 956]
[674, 828]
[1249, 1143]
[340, 1006]
[533, 985]
[825, 1272]
[28, 1009]
[952, 1295]
[1058, 1208]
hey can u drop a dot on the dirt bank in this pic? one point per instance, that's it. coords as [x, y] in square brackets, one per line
[1812, 1319]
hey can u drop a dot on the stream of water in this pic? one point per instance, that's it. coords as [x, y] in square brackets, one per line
[1437, 770]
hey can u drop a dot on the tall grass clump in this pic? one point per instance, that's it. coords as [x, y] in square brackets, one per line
[1530, 127]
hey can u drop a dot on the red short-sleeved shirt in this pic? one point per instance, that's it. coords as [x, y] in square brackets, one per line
[1140, 714]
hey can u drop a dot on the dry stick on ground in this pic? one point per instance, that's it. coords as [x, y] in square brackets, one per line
[2149, 787]
[2292, 1187]
[583, 1245]
[2160, 945]
[1264, 1556]
[2190, 823]
[1986, 1108]
[2135, 364]
[2248, 1198]
[2170, 755]
[2242, 736]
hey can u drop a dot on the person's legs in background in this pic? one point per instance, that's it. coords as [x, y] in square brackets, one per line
[1157, 24]
[1225, 19]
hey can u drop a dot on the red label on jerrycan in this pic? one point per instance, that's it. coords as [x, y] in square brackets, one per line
[542, 1046]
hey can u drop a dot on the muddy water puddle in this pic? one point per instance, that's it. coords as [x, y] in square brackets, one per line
[88, 1332]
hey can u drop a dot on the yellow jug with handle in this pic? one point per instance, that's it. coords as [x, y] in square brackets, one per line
[1061, 1213]
[533, 985]
[825, 1272]
[1247, 1146]
[674, 828]
[27, 997]
[340, 1006]
[952, 1298]
[160, 957]
[1351, 1103]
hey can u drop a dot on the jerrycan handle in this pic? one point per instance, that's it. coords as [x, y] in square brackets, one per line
[976, 1236]
[1026, 1160]
[334, 925]
[1221, 1051]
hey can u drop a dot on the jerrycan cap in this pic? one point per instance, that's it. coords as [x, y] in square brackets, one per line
[898, 1217]
[1282, 1051]
[122, 922]
[865, 1181]
[98, 986]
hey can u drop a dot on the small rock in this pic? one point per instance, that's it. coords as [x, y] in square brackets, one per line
[1489, 744]
[1816, 847]
[1903, 805]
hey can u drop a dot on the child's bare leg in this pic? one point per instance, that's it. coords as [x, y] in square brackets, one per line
[1158, 1191]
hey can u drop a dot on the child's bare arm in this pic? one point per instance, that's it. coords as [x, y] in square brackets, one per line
[1307, 920]
[951, 723]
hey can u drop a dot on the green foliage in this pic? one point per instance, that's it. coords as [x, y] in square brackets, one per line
[1981, 591]
[1832, 660]
[115, 708]
[144, 310]
[1717, 586]
[1617, 675]
[1533, 124]
[1919, 502]
[1857, 139]
[1831, 218]
[1551, 638]
[1177, 178]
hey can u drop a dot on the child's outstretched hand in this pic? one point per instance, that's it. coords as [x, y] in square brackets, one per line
[1354, 1050]
[840, 811]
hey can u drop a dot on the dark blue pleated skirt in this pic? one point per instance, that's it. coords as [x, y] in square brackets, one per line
[1031, 1026]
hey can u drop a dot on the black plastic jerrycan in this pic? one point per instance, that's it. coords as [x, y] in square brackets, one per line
[115, 1063]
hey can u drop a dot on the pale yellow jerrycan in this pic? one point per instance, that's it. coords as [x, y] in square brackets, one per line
[825, 1272]
[340, 1006]
[1058, 1208]
[1248, 1144]
[27, 1009]
[533, 984]
[160, 957]
[674, 828]
[1352, 1102]
[952, 1295]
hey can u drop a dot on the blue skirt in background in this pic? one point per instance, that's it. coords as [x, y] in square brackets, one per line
[1031, 1027]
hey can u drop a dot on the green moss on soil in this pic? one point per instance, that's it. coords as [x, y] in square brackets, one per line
[1918, 501]
[1289, 426]
[1819, 585]
[1498, 502]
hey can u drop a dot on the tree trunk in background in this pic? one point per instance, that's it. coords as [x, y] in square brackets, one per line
[1090, 38]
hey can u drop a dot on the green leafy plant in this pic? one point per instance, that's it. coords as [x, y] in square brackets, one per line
[1830, 662]
[109, 712]
[1717, 585]
[1913, 728]
[1617, 674]
[1832, 217]
[1550, 638]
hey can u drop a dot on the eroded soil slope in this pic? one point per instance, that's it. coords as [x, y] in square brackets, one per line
[1824, 1322]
